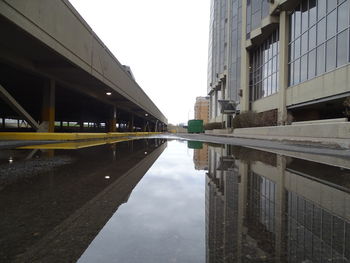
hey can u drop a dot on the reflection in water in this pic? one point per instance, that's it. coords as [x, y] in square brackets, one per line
[163, 220]
[266, 207]
[237, 205]
[200, 155]
[52, 216]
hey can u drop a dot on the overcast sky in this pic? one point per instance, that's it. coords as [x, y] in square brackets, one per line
[165, 42]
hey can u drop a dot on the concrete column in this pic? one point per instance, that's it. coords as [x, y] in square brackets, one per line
[242, 207]
[156, 126]
[144, 125]
[113, 121]
[131, 123]
[3, 123]
[48, 108]
[283, 67]
[229, 50]
[244, 62]
[280, 208]
[114, 151]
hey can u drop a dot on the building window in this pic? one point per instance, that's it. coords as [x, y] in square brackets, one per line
[262, 201]
[312, 229]
[257, 10]
[319, 38]
[264, 68]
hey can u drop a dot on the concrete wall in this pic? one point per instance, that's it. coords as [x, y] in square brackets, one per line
[266, 104]
[328, 84]
[219, 118]
[268, 171]
[322, 130]
[58, 25]
[327, 197]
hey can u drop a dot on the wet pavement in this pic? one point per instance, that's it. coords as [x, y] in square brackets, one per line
[169, 200]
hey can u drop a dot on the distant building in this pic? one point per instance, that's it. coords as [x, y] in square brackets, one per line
[288, 57]
[200, 158]
[201, 109]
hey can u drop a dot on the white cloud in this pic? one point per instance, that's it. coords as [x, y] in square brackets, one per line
[163, 41]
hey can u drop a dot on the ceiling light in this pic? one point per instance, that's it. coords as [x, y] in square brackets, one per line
[146, 114]
[108, 93]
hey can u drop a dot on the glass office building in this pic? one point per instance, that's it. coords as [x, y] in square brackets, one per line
[224, 57]
[291, 57]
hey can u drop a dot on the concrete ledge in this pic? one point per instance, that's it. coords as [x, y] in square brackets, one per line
[38, 136]
[219, 131]
[339, 130]
[339, 120]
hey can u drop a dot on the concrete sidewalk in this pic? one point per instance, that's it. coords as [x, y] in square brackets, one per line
[263, 142]
[333, 133]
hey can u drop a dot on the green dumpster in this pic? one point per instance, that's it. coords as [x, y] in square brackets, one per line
[195, 126]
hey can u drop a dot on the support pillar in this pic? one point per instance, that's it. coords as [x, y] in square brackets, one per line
[245, 62]
[131, 123]
[156, 126]
[145, 125]
[48, 108]
[283, 68]
[242, 207]
[3, 123]
[280, 208]
[113, 121]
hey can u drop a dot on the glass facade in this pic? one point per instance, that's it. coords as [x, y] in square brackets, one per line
[217, 41]
[314, 234]
[319, 38]
[210, 46]
[224, 52]
[256, 11]
[264, 63]
[234, 63]
[262, 201]
[221, 201]
[294, 214]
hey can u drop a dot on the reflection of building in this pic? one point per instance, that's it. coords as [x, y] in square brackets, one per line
[201, 109]
[57, 217]
[318, 212]
[275, 208]
[221, 209]
[200, 158]
[281, 56]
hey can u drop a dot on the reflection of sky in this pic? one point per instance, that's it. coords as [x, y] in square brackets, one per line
[164, 218]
